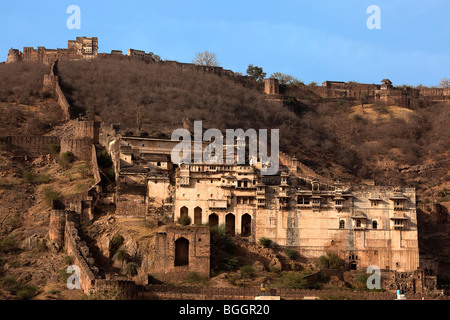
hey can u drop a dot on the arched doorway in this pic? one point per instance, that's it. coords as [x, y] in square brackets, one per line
[353, 265]
[246, 225]
[182, 252]
[213, 220]
[230, 224]
[198, 215]
[184, 211]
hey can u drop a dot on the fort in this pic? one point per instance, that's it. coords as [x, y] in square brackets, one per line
[296, 208]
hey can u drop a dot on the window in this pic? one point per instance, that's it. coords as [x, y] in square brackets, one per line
[341, 224]
[374, 203]
[338, 202]
[358, 223]
[374, 225]
[302, 200]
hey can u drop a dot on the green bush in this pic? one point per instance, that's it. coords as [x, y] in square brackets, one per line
[122, 255]
[28, 176]
[195, 278]
[23, 292]
[65, 160]
[184, 220]
[84, 170]
[116, 242]
[8, 244]
[68, 260]
[247, 272]
[131, 269]
[26, 292]
[229, 264]
[292, 254]
[330, 261]
[42, 179]
[220, 238]
[54, 150]
[265, 242]
[290, 280]
[51, 195]
[104, 160]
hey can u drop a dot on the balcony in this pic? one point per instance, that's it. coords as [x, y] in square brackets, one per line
[217, 204]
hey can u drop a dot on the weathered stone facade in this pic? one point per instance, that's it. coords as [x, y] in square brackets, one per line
[182, 249]
[365, 225]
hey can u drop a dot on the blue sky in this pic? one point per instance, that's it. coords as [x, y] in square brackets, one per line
[311, 40]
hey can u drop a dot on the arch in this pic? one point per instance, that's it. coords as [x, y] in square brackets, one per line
[198, 215]
[213, 220]
[181, 252]
[230, 224]
[374, 224]
[246, 225]
[353, 265]
[184, 211]
[341, 224]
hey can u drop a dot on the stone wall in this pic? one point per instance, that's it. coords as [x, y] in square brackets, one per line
[95, 168]
[82, 258]
[168, 292]
[198, 239]
[80, 147]
[87, 129]
[33, 145]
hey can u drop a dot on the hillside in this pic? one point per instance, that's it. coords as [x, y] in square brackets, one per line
[341, 140]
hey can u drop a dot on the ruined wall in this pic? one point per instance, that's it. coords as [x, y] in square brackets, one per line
[199, 251]
[95, 168]
[82, 258]
[81, 148]
[33, 145]
[87, 129]
[57, 224]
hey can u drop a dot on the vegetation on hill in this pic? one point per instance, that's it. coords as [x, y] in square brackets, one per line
[334, 138]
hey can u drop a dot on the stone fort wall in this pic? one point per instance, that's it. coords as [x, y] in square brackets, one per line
[30, 144]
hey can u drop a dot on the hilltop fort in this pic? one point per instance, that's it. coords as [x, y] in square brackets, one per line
[363, 224]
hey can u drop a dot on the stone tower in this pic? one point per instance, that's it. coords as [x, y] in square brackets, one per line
[271, 86]
[14, 55]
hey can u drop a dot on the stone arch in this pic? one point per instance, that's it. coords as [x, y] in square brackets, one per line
[246, 225]
[184, 211]
[182, 252]
[230, 224]
[198, 215]
[213, 220]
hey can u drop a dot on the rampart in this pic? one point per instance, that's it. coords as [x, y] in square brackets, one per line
[33, 145]
[80, 147]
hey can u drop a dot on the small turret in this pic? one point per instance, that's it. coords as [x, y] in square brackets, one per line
[14, 55]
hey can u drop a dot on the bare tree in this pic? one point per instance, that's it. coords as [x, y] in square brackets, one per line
[206, 59]
[444, 83]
